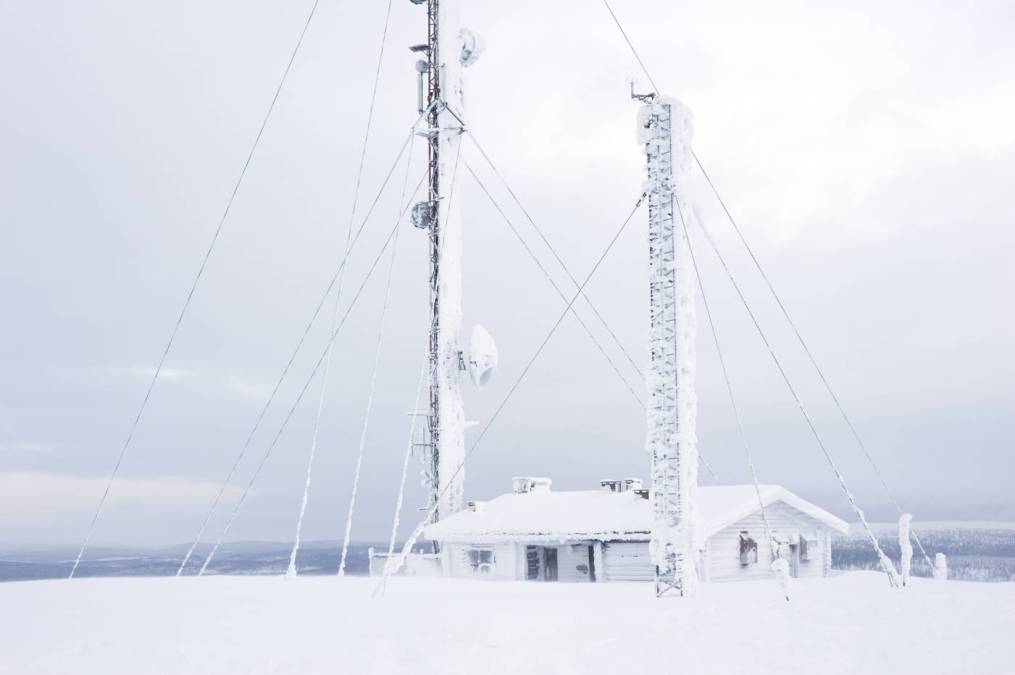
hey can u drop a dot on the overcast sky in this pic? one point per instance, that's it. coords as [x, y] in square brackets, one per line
[867, 150]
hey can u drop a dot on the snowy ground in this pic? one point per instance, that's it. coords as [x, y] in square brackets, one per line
[848, 624]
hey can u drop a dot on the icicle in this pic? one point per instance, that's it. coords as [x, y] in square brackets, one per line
[940, 567]
[906, 548]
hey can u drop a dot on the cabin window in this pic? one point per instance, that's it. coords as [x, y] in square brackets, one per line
[808, 548]
[532, 559]
[748, 549]
[481, 560]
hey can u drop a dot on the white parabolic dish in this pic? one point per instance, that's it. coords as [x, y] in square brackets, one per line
[482, 362]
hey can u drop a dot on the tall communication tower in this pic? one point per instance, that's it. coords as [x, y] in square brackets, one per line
[672, 405]
[440, 72]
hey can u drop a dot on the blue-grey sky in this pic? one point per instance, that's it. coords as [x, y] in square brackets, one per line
[866, 149]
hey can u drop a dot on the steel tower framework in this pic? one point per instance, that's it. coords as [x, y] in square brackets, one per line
[446, 419]
[671, 409]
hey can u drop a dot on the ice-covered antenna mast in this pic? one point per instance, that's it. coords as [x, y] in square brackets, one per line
[447, 50]
[672, 404]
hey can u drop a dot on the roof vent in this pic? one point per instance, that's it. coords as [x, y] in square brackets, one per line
[523, 484]
[476, 507]
[620, 484]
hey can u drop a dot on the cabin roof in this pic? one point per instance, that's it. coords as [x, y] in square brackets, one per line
[600, 514]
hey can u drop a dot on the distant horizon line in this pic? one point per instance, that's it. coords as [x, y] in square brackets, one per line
[325, 543]
[56, 548]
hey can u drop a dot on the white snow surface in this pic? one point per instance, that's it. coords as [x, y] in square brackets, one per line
[598, 514]
[848, 624]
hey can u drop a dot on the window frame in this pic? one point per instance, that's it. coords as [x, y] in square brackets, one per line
[482, 560]
[808, 549]
[747, 550]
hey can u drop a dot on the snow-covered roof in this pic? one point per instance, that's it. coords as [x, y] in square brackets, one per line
[723, 505]
[600, 514]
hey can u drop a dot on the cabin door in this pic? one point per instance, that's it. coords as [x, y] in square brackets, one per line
[549, 564]
[541, 563]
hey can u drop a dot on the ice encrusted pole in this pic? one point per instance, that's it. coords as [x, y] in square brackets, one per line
[940, 567]
[905, 547]
[664, 130]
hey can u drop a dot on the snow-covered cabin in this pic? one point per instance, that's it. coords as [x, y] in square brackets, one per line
[603, 535]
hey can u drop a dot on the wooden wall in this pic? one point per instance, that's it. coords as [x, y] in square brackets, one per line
[627, 561]
[505, 565]
[723, 548]
[569, 558]
[630, 561]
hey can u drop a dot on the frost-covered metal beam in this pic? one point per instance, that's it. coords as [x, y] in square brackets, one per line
[664, 130]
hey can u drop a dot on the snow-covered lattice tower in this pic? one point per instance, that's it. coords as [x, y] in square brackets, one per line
[440, 214]
[664, 129]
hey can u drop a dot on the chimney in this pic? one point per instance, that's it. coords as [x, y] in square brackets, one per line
[524, 484]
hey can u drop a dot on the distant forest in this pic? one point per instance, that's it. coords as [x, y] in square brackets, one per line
[974, 554]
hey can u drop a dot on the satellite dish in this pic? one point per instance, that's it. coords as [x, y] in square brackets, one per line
[482, 356]
[472, 47]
